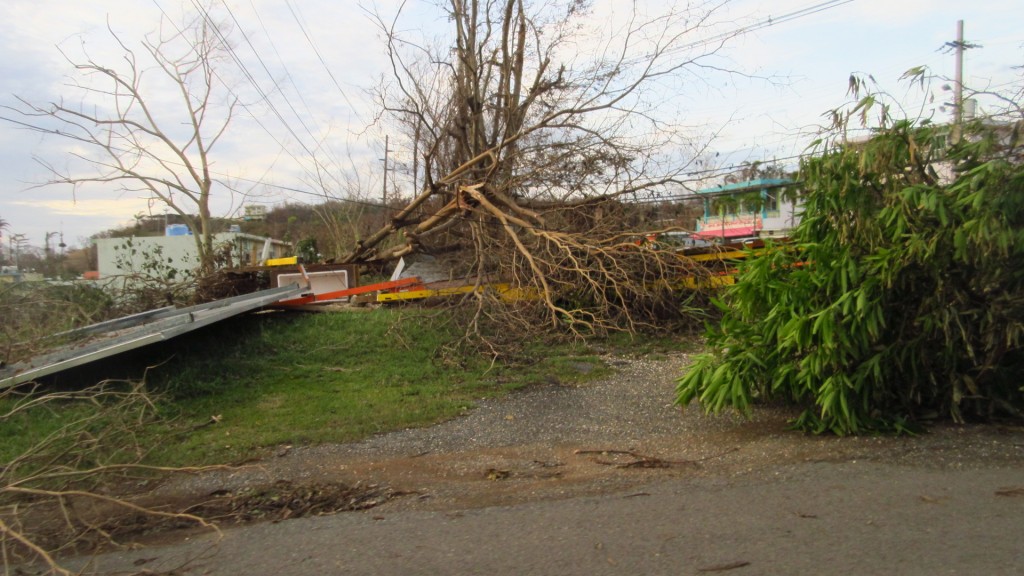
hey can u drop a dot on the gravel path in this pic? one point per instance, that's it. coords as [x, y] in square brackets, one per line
[542, 482]
[545, 443]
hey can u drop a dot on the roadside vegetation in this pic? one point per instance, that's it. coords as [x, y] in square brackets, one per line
[899, 299]
[75, 448]
[336, 377]
[35, 314]
[263, 380]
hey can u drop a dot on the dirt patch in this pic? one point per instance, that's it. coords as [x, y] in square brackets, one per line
[283, 499]
[96, 526]
[556, 442]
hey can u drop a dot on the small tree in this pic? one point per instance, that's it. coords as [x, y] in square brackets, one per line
[136, 138]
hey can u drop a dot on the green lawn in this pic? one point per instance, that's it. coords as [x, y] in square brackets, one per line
[293, 378]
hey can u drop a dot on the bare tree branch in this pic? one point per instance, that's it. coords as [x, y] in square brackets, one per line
[133, 136]
[543, 135]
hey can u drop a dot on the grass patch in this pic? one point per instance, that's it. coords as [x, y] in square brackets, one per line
[21, 431]
[286, 378]
[653, 346]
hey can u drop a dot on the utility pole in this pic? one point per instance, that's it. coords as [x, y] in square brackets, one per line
[958, 96]
[384, 194]
[17, 240]
[384, 188]
[62, 246]
[48, 251]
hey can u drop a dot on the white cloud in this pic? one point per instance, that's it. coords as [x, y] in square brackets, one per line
[116, 209]
[816, 53]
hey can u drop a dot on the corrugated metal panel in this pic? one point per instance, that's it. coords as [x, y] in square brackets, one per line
[122, 334]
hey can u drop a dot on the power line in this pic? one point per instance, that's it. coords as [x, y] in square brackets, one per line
[765, 23]
[234, 57]
[703, 172]
[312, 44]
[248, 75]
[270, 75]
[265, 97]
[770, 21]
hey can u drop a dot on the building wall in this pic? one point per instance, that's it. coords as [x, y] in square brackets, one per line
[772, 217]
[126, 256]
[785, 219]
[157, 254]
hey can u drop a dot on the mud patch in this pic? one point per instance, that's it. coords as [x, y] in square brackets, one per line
[96, 526]
[284, 499]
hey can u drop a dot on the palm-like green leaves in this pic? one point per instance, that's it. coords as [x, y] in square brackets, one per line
[900, 297]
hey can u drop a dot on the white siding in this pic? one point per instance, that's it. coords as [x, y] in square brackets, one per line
[123, 256]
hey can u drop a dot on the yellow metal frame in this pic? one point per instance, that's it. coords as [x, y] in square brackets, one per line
[702, 282]
[730, 255]
[504, 291]
[289, 261]
[508, 293]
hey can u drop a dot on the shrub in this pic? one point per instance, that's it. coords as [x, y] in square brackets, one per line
[900, 298]
[34, 314]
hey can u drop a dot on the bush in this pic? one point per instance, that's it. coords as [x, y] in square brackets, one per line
[901, 297]
[34, 315]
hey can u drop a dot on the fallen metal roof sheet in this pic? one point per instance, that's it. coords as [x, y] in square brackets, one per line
[122, 334]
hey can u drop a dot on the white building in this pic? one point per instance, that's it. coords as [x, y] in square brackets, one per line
[160, 255]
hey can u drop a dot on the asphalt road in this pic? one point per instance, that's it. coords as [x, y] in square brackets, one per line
[849, 517]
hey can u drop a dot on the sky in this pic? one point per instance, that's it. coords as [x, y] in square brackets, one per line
[317, 59]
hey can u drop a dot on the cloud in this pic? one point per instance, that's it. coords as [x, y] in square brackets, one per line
[114, 208]
[320, 96]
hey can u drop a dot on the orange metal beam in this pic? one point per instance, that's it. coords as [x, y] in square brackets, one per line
[390, 285]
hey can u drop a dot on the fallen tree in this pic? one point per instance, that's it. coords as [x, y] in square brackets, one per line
[543, 145]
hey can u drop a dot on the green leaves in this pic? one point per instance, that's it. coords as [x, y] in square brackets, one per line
[900, 297]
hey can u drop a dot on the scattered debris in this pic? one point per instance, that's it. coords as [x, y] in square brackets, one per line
[1011, 491]
[495, 474]
[639, 460]
[283, 499]
[724, 567]
[215, 419]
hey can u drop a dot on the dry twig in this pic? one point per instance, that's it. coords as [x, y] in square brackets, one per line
[65, 492]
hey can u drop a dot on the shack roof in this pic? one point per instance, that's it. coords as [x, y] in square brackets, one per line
[748, 186]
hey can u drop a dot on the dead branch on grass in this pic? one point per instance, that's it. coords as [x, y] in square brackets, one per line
[70, 488]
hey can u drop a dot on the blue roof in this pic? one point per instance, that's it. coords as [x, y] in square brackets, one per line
[757, 184]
